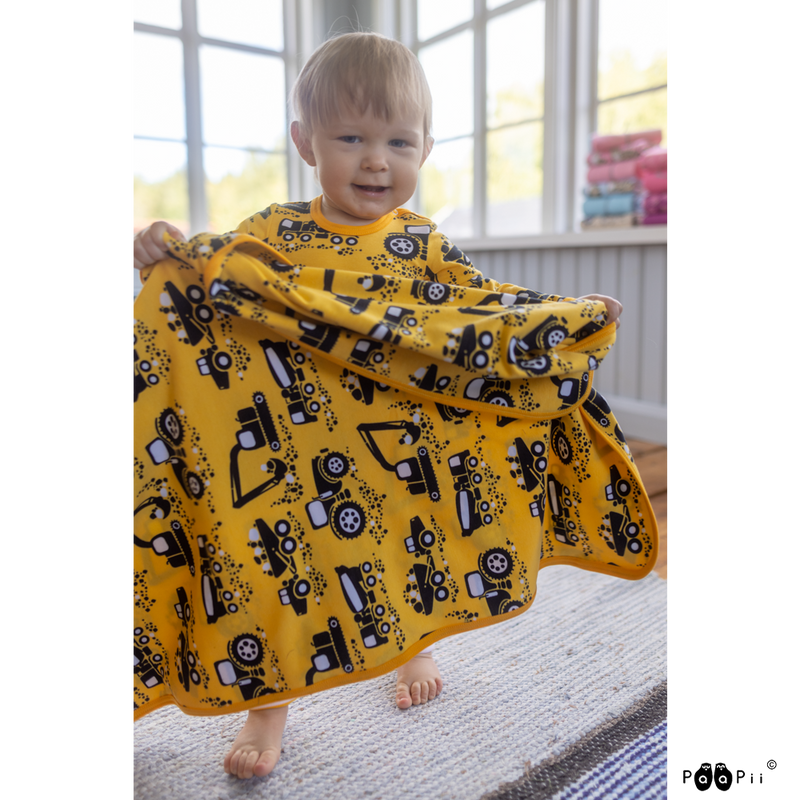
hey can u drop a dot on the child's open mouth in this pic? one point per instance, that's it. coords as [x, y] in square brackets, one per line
[374, 191]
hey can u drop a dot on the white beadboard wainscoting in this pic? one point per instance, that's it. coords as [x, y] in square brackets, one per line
[633, 377]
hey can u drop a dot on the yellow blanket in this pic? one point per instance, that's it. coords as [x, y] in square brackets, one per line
[335, 469]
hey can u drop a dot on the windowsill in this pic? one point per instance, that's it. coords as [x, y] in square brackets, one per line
[643, 234]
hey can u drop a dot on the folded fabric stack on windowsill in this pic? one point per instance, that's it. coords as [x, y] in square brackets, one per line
[614, 186]
[651, 169]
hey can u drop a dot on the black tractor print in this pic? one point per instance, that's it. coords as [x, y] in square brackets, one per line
[166, 449]
[331, 652]
[334, 504]
[491, 581]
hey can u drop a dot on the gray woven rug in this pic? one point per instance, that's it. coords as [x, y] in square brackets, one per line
[531, 708]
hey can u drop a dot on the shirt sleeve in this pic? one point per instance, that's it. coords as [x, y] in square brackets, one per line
[258, 225]
[450, 265]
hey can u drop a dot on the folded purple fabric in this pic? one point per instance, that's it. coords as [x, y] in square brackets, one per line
[655, 203]
[655, 219]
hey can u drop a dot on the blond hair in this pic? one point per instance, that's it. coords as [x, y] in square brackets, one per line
[360, 71]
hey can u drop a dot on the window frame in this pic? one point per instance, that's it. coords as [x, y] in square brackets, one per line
[571, 107]
[294, 42]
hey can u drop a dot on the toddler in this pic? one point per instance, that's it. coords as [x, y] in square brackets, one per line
[363, 121]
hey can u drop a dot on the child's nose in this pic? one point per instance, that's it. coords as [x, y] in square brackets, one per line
[374, 160]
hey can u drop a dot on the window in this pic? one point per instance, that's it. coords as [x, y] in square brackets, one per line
[518, 87]
[484, 175]
[632, 67]
[210, 143]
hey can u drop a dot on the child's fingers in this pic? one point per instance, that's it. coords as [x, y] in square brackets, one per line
[147, 250]
[176, 233]
[149, 245]
[613, 307]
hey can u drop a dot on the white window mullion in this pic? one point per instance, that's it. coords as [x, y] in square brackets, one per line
[586, 53]
[406, 11]
[198, 212]
[550, 132]
[562, 163]
[298, 45]
[479, 202]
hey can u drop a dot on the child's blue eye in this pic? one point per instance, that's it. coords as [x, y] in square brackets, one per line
[349, 139]
[398, 143]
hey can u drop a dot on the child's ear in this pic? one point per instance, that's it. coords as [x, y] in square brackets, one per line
[427, 151]
[303, 144]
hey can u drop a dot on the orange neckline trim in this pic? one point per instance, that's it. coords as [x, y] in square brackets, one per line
[354, 230]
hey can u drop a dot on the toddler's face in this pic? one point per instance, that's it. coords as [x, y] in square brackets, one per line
[366, 166]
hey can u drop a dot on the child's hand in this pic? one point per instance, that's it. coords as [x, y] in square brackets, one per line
[148, 244]
[614, 307]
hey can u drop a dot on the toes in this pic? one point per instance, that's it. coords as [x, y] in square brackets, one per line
[419, 692]
[265, 764]
[232, 762]
[402, 696]
[246, 765]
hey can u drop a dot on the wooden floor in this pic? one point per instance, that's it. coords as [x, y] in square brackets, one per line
[651, 459]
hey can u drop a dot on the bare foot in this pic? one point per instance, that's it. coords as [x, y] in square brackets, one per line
[258, 746]
[418, 681]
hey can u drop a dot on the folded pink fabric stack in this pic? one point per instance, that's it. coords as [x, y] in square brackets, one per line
[616, 184]
[651, 169]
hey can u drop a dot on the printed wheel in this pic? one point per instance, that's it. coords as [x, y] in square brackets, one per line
[538, 365]
[302, 588]
[403, 246]
[511, 605]
[169, 427]
[334, 465]
[555, 336]
[204, 313]
[442, 593]
[562, 446]
[435, 292]
[288, 545]
[347, 520]
[246, 650]
[195, 293]
[496, 563]
[496, 397]
[223, 361]
[623, 488]
[438, 578]
[635, 546]
[192, 484]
